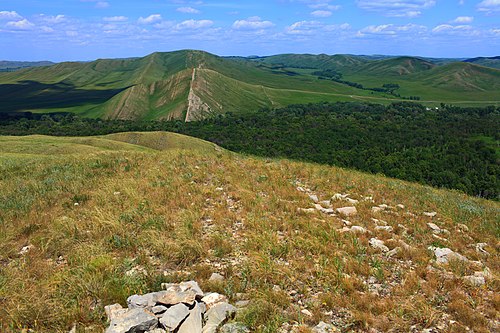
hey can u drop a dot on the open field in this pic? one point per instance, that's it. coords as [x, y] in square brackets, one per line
[86, 222]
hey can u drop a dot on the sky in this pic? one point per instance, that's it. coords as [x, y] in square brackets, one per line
[80, 30]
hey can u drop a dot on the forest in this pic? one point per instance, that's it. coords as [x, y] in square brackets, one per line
[450, 147]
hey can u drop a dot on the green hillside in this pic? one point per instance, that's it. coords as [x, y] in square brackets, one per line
[191, 85]
[493, 62]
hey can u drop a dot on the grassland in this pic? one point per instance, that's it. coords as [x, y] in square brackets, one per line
[106, 217]
[159, 86]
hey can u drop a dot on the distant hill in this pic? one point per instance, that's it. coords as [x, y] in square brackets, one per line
[9, 66]
[493, 62]
[191, 85]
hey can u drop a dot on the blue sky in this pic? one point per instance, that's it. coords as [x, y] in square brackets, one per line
[61, 30]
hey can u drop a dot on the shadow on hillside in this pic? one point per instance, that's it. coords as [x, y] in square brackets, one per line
[35, 95]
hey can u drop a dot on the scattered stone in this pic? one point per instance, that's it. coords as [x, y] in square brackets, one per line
[338, 196]
[462, 227]
[314, 198]
[306, 210]
[393, 252]
[347, 211]
[376, 210]
[474, 281]
[325, 203]
[435, 229]
[136, 271]
[216, 277]
[352, 201]
[480, 248]
[134, 320]
[323, 327]
[444, 255]
[378, 244]
[306, 312]
[430, 214]
[276, 288]
[26, 249]
[159, 309]
[384, 228]
[400, 206]
[358, 230]
[234, 328]
[347, 223]
[301, 189]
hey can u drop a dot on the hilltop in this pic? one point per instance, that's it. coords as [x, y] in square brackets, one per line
[192, 85]
[86, 222]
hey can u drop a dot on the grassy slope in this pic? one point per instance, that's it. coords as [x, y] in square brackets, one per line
[157, 86]
[185, 214]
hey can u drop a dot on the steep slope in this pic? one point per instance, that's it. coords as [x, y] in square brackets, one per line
[9, 66]
[83, 230]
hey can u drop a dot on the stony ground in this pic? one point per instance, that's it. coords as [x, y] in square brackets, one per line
[295, 247]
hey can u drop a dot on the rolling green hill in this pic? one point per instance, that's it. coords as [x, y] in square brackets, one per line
[493, 62]
[191, 85]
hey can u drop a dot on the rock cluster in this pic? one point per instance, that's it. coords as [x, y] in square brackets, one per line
[181, 308]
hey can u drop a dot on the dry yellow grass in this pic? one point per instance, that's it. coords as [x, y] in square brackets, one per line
[183, 214]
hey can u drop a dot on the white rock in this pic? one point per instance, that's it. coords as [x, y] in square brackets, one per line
[217, 316]
[462, 227]
[172, 318]
[475, 281]
[326, 203]
[216, 277]
[358, 229]
[347, 211]
[384, 228]
[435, 229]
[194, 322]
[444, 255]
[301, 189]
[430, 214]
[135, 320]
[346, 223]
[306, 312]
[400, 206]
[480, 248]
[323, 327]
[376, 210]
[314, 198]
[352, 201]
[338, 196]
[306, 210]
[26, 249]
[213, 299]
[114, 310]
[393, 252]
[378, 244]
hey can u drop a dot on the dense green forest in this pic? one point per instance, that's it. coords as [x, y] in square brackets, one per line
[450, 147]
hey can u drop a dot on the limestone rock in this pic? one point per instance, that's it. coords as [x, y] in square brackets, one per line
[435, 229]
[114, 310]
[430, 214]
[444, 255]
[217, 315]
[193, 323]
[475, 281]
[133, 321]
[347, 211]
[216, 277]
[213, 299]
[323, 327]
[174, 316]
[378, 244]
[314, 198]
[358, 229]
[146, 301]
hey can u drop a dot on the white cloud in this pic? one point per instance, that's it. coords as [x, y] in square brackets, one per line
[392, 30]
[321, 13]
[102, 4]
[396, 8]
[252, 23]
[150, 19]
[489, 6]
[21, 25]
[194, 24]
[304, 28]
[115, 19]
[188, 10]
[6, 15]
[463, 19]
[462, 30]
